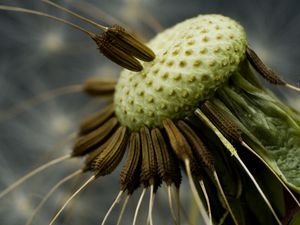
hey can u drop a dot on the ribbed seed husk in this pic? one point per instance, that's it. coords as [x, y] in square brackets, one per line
[94, 154]
[111, 156]
[178, 142]
[129, 176]
[168, 165]
[149, 173]
[99, 87]
[200, 150]
[94, 121]
[266, 72]
[130, 44]
[109, 49]
[181, 147]
[224, 124]
[87, 142]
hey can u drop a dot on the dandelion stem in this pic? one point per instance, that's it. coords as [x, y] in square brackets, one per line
[32, 173]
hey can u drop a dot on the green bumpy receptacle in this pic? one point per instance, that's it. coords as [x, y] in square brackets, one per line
[193, 59]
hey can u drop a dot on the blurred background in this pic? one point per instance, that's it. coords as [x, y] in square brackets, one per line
[38, 55]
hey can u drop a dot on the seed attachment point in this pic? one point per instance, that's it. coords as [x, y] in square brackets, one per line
[123, 48]
[131, 44]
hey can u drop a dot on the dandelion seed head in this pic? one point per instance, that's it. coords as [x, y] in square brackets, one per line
[43, 123]
[192, 60]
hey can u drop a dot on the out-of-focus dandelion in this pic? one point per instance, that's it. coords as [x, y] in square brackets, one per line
[195, 104]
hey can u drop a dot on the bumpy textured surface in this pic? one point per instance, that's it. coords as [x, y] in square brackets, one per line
[192, 60]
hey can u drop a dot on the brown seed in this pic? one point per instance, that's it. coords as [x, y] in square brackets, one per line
[149, 173]
[130, 44]
[94, 154]
[226, 126]
[99, 87]
[111, 156]
[178, 142]
[260, 67]
[94, 121]
[201, 152]
[87, 142]
[181, 147]
[109, 49]
[168, 165]
[129, 176]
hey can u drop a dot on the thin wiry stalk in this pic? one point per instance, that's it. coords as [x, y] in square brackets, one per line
[171, 206]
[224, 197]
[30, 103]
[195, 193]
[52, 190]
[138, 206]
[202, 185]
[151, 203]
[177, 197]
[96, 12]
[116, 201]
[92, 178]
[259, 189]
[38, 13]
[97, 25]
[32, 173]
[123, 209]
